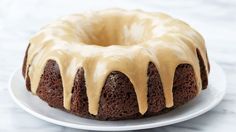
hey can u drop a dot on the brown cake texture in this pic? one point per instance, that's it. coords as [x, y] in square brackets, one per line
[118, 99]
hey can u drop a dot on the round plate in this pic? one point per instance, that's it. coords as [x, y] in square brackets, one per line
[199, 105]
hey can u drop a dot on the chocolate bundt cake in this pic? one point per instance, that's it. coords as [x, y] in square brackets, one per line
[116, 64]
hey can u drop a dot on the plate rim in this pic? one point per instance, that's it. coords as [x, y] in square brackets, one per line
[117, 128]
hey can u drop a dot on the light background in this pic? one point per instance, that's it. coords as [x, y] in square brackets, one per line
[214, 19]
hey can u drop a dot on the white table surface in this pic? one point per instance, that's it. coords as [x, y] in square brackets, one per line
[214, 19]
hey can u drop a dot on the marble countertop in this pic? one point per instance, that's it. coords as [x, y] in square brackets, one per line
[214, 19]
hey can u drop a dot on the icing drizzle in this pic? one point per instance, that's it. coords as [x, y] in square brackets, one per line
[115, 40]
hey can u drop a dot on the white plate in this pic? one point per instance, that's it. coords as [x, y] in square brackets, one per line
[201, 104]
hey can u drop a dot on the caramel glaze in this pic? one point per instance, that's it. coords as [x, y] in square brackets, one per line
[115, 40]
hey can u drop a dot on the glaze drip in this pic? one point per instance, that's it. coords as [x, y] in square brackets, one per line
[115, 40]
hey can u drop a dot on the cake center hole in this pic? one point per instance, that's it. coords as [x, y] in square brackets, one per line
[117, 30]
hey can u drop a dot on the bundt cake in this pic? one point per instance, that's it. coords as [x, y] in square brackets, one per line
[116, 64]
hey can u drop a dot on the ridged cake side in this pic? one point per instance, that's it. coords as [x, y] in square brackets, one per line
[118, 100]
